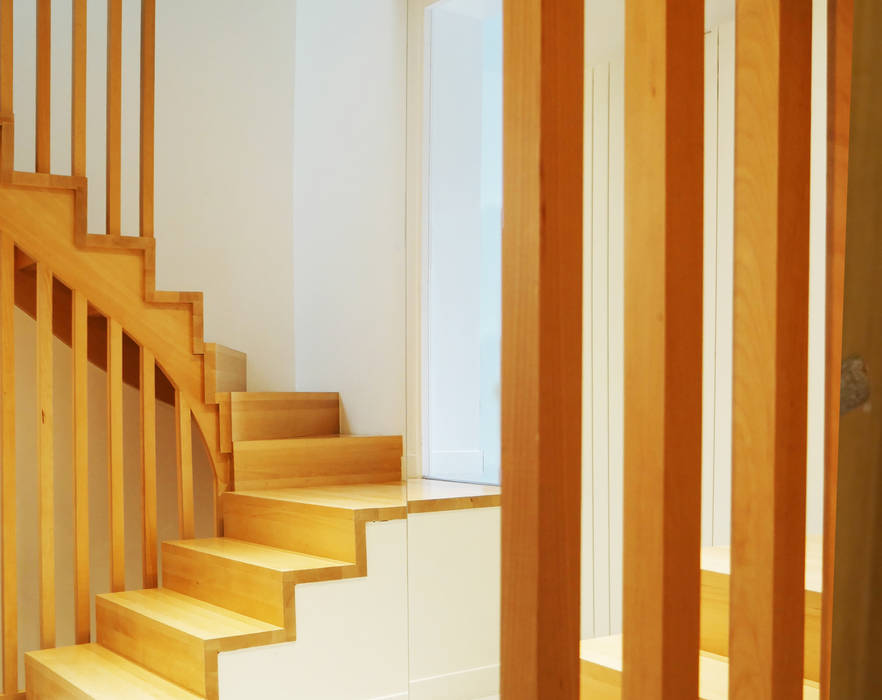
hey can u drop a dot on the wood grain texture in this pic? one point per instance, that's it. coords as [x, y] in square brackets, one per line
[226, 370]
[840, 34]
[114, 116]
[7, 142]
[344, 459]
[90, 671]
[274, 415]
[45, 456]
[44, 85]
[9, 601]
[543, 59]
[78, 90]
[664, 161]
[176, 636]
[80, 373]
[772, 140]
[184, 458]
[148, 79]
[857, 608]
[148, 467]
[432, 496]
[115, 466]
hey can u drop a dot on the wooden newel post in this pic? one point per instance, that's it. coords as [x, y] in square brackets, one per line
[542, 347]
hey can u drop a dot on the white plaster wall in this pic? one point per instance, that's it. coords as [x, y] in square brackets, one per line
[351, 636]
[349, 268]
[453, 588]
[224, 156]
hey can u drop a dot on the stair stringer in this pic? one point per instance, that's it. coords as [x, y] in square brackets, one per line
[45, 215]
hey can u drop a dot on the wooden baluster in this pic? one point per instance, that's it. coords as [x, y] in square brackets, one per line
[82, 611]
[148, 73]
[78, 90]
[184, 453]
[6, 45]
[45, 461]
[44, 84]
[839, 61]
[9, 605]
[542, 348]
[148, 465]
[114, 114]
[772, 140]
[115, 456]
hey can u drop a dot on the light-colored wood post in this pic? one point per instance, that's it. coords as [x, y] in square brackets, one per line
[148, 74]
[114, 115]
[6, 45]
[9, 606]
[664, 171]
[44, 84]
[542, 348]
[45, 457]
[78, 90]
[184, 454]
[115, 469]
[772, 140]
[82, 609]
[148, 465]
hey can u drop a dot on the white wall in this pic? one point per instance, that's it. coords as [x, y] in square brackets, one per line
[349, 145]
[224, 156]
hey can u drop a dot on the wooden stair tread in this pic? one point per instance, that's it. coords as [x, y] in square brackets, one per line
[717, 559]
[274, 558]
[601, 660]
[431, 495]
[390, 497]
[190, 616]
[90, 670]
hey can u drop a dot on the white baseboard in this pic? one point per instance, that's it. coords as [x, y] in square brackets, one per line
[461, 685]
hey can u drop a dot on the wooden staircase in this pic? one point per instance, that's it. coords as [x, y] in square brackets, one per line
[300, 518]
[601, 658]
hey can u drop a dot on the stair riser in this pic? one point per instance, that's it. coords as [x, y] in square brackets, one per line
[43, 685]
[258, 416]
[316, 461]
[715, 621]
[323, 532]
[249, 590]
[167, 652]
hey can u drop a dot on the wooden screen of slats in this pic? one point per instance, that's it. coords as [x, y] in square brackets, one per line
[664, 60]
[65, 314]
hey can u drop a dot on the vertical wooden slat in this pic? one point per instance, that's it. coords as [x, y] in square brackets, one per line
[79, 323]
[78, 90]
[184, 454]
[664, 165]
[772, 140]
[839, 54]
[115, 456]
[148, 464]
[45, 457]
[541, 347]
[6, 46]
[9, 605]
[44, 86]
[114, 114]
[148, 73]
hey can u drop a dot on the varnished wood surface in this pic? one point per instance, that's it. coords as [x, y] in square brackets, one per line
[840, 16]
[114, 118]
[45, 456]
[265, 464]
[115, 466]
[772, 147]
[269, 416]
[148, 468]
[857, 608]
[664, 166]
[44, 85]
[148, 79]
[184, 455]
[431, 495]
[9, 604]
[601, 673]
[78, 90]
[543, 59]
[91, 672]
[82, 603]
[226, 370]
